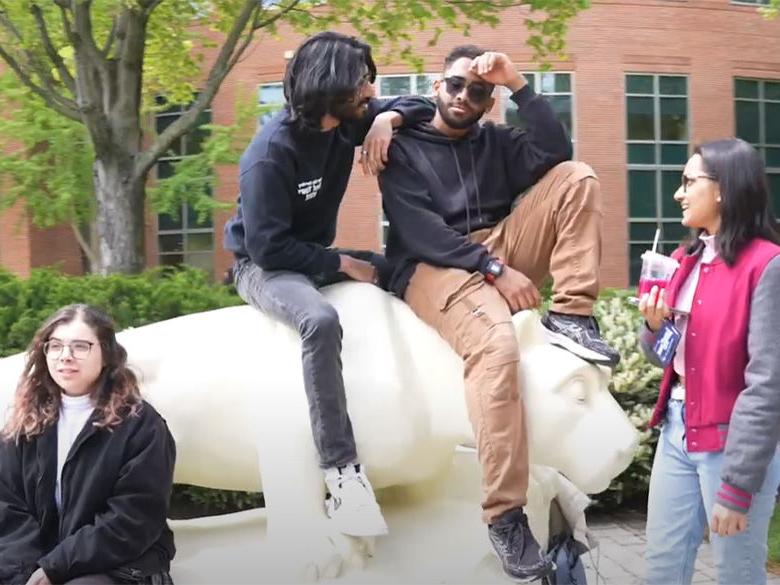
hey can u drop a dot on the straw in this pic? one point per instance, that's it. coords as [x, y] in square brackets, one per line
[655, 241]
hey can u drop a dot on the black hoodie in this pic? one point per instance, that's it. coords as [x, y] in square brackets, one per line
[292, 183]
[116, 485]
[437, 190]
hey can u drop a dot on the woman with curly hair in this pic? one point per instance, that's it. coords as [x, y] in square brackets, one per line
[86, 466]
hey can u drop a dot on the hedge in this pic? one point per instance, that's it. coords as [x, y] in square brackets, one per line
[165, 293]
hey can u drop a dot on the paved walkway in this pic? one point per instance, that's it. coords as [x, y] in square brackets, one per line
[621, 549]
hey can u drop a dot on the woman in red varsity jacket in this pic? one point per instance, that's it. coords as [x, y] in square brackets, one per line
[719, 404]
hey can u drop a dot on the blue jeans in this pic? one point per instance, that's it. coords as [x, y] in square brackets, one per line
[682, 494]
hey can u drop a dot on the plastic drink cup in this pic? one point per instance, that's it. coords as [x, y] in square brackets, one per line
[657, 270]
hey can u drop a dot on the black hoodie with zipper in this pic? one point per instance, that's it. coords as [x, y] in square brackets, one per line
[116, 486]
[437, 190]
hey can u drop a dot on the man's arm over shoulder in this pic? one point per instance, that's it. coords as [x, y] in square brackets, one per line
[422, 230]
[413, 110]
[266, 191]
[542, 145]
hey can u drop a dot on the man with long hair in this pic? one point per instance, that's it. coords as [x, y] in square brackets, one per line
[293, 177]
[465, 260]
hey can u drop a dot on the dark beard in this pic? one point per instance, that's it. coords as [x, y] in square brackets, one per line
[456, 123]
[346, 111]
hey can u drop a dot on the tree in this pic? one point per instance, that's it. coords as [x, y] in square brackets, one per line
[99, 64]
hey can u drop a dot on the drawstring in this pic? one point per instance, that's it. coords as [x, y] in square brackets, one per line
[465, 190]
[476, 183]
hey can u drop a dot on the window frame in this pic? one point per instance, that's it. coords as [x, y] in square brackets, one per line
[658, 167]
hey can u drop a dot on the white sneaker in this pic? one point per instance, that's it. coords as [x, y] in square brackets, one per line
[351, 503]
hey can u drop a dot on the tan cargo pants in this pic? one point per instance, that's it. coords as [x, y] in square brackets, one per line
[556, 230]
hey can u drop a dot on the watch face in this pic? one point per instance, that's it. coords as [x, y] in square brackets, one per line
[495, 268]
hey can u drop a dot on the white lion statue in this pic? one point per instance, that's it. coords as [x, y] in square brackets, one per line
[229, 384]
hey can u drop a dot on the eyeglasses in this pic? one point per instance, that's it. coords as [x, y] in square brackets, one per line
[688, 180]
[79, 348]
[476, 92]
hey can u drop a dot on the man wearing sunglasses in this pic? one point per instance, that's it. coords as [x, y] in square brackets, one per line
[293, 177]
[465, 261]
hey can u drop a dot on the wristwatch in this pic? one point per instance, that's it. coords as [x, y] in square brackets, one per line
[494, 269]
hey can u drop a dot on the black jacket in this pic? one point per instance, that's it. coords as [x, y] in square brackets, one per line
[116, 488]
[437, 190]
[292, 182]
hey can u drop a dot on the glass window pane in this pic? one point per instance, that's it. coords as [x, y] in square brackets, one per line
[548, 83]
[641, 231]
[675, 232]
[772, 122]
[171, 259]
[635, 252]
[192, 219]
[672, 85]
[745, 88]
[392, 86]
[674, 119]
[747, 121]
[161, 123]
[531, 79]
[641, 154]
[563, 82]
[171, 243]
[670, 182]
[200, 242]
[194, 139]
[772, 157]
[772, 90]
[272, 93]
[640, 118]
[204, 261]
[166, 222]
[641, 194]
[165, 169]
[425, 84]
[674, 154]
[639, 84]
[561, 105]
[774, 190]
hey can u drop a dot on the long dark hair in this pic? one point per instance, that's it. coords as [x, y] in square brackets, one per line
[37, 402]
[326, 70]
[745, 210]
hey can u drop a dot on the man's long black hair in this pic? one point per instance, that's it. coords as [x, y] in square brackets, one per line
[326, 70]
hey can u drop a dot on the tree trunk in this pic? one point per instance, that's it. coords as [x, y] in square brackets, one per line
[120, 215]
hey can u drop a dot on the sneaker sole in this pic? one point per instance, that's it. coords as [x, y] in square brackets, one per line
[560, 340]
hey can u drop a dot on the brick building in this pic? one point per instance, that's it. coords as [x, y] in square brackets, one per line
[644, 81]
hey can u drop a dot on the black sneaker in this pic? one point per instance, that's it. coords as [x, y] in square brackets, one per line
[517, 548]
[580, 335]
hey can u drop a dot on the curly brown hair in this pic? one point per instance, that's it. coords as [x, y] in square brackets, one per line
[37, 401]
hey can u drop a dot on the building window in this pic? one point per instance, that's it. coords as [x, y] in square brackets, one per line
[657, 143]
[751, 2]
[270, 97]
[757, 104]
[182, 239]
[557, 88]
[388, 86]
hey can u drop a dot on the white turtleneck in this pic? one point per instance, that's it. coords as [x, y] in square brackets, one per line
[74, 413]
[683, 303]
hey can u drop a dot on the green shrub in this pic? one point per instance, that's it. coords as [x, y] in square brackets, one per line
[132, 301]
[634, 385]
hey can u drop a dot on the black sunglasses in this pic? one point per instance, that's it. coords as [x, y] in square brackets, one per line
[476, 92]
